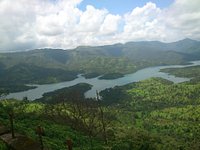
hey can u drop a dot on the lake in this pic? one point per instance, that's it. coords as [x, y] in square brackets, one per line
[103, 84]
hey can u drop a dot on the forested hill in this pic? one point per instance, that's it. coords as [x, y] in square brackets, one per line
[112, 61]
[154, 114]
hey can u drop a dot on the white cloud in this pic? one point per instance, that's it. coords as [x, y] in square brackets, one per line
[91, 19]
[15, 17]
[142, 23]
[183, 18]
[110, 24]
[34, 24]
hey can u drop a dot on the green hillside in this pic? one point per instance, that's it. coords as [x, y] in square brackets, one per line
[151, 114]
[189, 72]
[112, 61]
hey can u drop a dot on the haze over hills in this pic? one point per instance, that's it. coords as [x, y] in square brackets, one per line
[112, 61]
[130, 50]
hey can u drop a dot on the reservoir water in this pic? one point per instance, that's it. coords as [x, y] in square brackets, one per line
[100, 85]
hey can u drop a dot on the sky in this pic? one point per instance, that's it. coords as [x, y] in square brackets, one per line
[122, 6]
[67, 24]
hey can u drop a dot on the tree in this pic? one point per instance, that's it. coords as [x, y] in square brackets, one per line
[40, 133]
[102, 118]
[11, 117]
[9, 109]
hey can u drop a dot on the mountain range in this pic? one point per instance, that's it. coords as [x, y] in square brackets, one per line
[47, 65]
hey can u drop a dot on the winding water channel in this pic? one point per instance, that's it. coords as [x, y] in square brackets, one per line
[100, 85]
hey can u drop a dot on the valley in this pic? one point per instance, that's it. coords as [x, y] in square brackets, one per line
[44, 66]
[148, 98]
[99, 75]
[154, 113]
[100, 84]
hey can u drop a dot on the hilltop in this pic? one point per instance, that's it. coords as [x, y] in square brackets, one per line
[112, 61]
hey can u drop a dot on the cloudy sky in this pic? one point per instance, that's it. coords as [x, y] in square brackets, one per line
[30, 24]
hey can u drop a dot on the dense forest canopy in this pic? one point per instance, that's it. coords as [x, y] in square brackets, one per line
[151, 114]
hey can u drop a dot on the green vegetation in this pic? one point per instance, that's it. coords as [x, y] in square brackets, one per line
[189, 72]
[151, 114]
[162, 109]
[111, 76]
[67, 93]
[112, 61]
[15, 87]
[15, 78]
[103, 65]
[2, 146]
[29, 115]
[91, 75]
[154, 114]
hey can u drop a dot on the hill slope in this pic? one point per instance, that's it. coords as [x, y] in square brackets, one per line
[55, 65]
